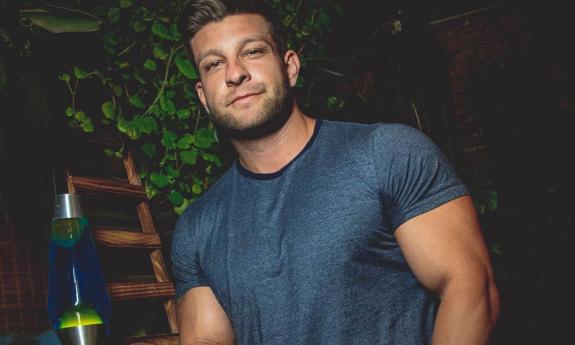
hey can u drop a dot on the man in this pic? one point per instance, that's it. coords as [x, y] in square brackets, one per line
[322, 232]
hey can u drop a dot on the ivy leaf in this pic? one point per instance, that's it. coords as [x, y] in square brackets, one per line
[136, 101]
[167, 105]
[183, 114]
[149, 149]
[197, 187]
[158, 179]
[87, 125]
[109, 110]
[185, 141]
[212, 158]
[186, 67]
[160, 30]
[113, 15]
[80, 73]
[159, 53]
[180, 209]
[169, 139]
[80, 116]
[176, 198]
[205, 138]
[150, 64]
[65, 77]
[139, 26]
[148, 124]
[172, 172]
[125, 3]
[189, 157]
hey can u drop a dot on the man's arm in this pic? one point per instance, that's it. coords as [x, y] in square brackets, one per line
[202, 320]
[445, 249]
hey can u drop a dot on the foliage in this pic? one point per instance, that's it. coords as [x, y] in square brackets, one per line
[150, 103]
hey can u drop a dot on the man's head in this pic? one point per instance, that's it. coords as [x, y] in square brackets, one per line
[199, 13]
[245, 70]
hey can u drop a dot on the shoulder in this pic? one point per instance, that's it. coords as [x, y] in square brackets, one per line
[202, 210]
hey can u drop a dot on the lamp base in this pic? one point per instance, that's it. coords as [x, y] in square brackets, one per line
[81, 335]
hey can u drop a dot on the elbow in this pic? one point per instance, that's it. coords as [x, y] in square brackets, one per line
[493, 300]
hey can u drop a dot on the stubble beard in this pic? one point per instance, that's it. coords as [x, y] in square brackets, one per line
[273, 114]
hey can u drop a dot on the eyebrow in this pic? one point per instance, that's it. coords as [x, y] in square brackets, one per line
[242, 43]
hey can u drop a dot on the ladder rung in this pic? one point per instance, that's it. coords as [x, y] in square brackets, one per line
[160, 339]
[92, 185]
[140, 290]
[127, 239]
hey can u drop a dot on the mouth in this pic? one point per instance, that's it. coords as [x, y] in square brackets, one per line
[245, 98]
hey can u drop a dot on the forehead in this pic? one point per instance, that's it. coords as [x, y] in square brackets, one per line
[230, 30]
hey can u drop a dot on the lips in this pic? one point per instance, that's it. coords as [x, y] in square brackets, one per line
[244, 96]
[244, 92]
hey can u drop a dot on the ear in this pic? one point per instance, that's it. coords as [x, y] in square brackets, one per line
[292, 65]
[202, 95]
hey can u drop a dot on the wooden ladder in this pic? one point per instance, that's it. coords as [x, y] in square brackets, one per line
[148, 238]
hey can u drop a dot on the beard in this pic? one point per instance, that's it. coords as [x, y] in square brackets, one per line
[273, 114]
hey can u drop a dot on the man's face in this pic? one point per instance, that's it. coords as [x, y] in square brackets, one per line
[245, 84]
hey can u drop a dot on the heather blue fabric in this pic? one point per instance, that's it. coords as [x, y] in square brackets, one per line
[307, 255]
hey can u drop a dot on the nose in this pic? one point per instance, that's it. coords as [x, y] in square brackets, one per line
[236, 74]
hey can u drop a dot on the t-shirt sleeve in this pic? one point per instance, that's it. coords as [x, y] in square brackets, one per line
[414, 175]
[186, 266]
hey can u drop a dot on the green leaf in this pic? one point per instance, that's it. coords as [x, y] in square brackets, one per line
[189, 157]
[139, 26]
[167, 105]
[62, 20]
[169, 139]
[87, 126]
[109, 110]
[65, 77]
[117, 90]
[69, 112]
[212, 158]
[148, 124]
[183, 114]
[180, 209]
[197, 187]
[186, 67]
[176, 198]
[80, 116]
[205, 138]
[160, 30]
[150, 64]
[149, 149]
[172, 172]
[159, 180]
[113, 15]
[185, 141]
[136, 101]
[125, 3]
[80, 73]
[160, 53]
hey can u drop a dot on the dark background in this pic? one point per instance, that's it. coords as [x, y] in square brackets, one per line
[492, 83]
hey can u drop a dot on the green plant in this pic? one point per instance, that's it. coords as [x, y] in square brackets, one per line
[150, 103]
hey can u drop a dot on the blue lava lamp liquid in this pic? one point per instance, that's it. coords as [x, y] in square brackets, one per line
[77, 294]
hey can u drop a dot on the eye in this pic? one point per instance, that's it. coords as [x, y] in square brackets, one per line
[212, 64]
[254, 52]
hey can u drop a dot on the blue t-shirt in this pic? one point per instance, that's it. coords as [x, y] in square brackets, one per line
[307, 255]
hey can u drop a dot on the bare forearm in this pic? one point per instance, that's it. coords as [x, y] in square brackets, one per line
[466, 315]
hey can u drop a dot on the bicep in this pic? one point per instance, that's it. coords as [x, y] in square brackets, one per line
[445, 244]
[202, 320]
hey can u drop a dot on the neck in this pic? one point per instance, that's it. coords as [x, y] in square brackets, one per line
[273, 152]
